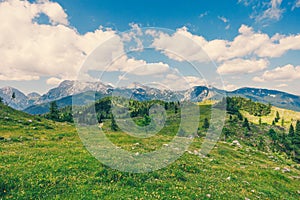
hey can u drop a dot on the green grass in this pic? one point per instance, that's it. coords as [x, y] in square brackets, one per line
[289, 117]
[41, 159]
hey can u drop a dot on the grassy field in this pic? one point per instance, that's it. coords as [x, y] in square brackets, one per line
[289, 117]
[42, 159]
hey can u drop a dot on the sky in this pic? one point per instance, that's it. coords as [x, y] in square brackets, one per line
[171, 44]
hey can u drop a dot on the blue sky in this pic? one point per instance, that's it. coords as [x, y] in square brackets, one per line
[202, 17]
[55, 37]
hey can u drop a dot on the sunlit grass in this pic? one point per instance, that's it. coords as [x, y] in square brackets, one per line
[289, 117]
[50, 162]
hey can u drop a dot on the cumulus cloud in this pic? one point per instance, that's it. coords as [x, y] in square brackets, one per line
[241, 66]
[139, 67]
[230, 87]
[194, 81]
[278, 45]
[29, 50]
[175, 81]
[53, 81]
[33, 49]
[54, 11]
[182, 45]
[285, 73]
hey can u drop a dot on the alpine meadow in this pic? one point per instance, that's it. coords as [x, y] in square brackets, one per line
[141, 100]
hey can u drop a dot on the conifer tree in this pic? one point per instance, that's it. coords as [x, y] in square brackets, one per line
[291, 131]
[113, 125]
[54, 112]
[246, 124]
[205, 124]
[277, 117]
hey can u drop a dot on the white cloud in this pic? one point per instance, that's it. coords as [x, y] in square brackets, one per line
[141, 68]
[54, 11]
[241, 66]
[278, 45]
[273, 12]
[285, 73]
[203, 14]
[33, 49]
[53, 81]
[176, 82]
[226, 21]
[182, 45]
[297, 5]
[282, 85]
[194, 81]
[11, 74]
[29, 50]
[230, 87]
[223, 19]
[245, 2]
[264, 12]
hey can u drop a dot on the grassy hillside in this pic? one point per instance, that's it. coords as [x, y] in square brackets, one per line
[289, 117]
[42, 159]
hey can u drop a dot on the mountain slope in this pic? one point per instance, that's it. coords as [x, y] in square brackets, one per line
[68, 88]
[276, 98]
[36, 104]
[20, 101]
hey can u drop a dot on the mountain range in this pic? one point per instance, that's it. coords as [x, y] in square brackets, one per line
[87, 92]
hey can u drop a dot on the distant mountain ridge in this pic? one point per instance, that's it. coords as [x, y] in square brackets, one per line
[276, 98]
[84, 91]
[20, 102]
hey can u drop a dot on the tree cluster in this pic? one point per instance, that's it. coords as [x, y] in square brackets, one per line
[60, 115]
[234, 104]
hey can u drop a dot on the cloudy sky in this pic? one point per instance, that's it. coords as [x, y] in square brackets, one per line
[234, 42]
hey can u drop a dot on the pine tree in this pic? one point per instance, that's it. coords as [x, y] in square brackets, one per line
[54, 112]
[205, 124]
[273, 134]
[277, 117]
[147, 120]
[261, 143]
[246, 124]
[100, 119]
[166, 106]
[113, 126]
[239, 115]
[296, 142]
[282, 122]
[296, 139]
[13, 96]
[176, 109]
[291, 131]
